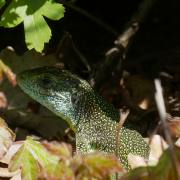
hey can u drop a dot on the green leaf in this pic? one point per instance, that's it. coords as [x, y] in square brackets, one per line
[37, 31]
[14, 14]
[2, 3]
[30, 157]
[53, 11]
[24, 159]
[164, 170]
[45, 159]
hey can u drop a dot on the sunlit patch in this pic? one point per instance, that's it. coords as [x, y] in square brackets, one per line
[144, 104]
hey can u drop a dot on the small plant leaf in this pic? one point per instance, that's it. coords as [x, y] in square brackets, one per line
[37, 31]
[31, 157]
[2, 3]
[61, 172]
[63, 169]
[52, 10]
[60, 149]
[164, 170]
[14, 14]
[99, 166]
[45, 159]
[34, 25]
[24, 159]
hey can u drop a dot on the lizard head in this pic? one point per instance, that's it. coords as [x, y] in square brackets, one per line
[59, 90]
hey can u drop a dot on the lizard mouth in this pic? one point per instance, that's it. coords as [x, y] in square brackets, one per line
[24, 80]
[21, 80]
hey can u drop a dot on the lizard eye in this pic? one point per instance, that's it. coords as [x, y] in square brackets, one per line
[46, 82]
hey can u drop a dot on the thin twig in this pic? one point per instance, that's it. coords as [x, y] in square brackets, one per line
[162, 114]
[81, 56]
[123, 117]
[115, 56]
[67, 39]
[97, 20]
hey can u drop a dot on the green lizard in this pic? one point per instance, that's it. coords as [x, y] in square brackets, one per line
[93, 120]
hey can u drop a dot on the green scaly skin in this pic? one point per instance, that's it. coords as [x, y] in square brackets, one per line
[93, 120]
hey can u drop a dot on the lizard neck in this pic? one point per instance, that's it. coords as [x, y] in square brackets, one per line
[94, 112]
[98, 122]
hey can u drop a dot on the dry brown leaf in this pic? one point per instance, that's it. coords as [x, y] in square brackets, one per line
[17, 176]
[3, 100]
[177, 143]
[141, 91]
[16, 63]
[136, 161]
[11, 151]
[157, 146]
[63, 150]
[8, 72]
[4, 172]
[6, 138]
[174, 126]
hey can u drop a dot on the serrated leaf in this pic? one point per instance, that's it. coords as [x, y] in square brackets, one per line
[37, 31]
[30, 157]
[24, 159]
[45, 159]
[55, 14]
[62, 170]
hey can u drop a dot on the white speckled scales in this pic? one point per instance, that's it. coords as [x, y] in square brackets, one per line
[91, 117]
